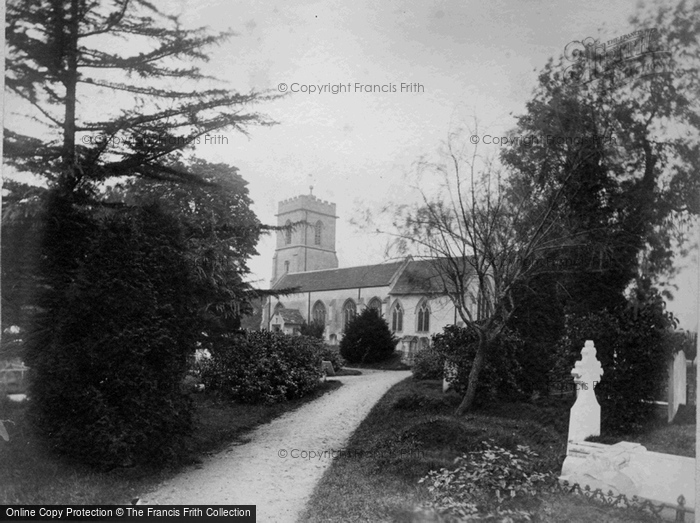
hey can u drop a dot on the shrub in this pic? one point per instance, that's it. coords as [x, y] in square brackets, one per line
[428, 364]
[633, 346]
[264, 366]
[332, 354]
[487, 481]
[110, 349]
[367, 339]
[313, 329]
[500, 373]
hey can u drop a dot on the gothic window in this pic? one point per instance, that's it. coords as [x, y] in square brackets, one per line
[397, 318]
[375, 304]
[278, 308]
[317, 233]
[483, 303]
[349, 312]
[319, 313]
[288, 233]
[423, 317]
[286, 266]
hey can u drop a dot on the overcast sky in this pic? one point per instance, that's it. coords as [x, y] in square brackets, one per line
[471, 59]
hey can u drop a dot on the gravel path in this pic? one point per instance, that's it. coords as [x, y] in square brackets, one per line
[279, 468]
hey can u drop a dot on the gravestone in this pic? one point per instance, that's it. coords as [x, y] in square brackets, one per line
[624, 468]
[327, 368]
[585, 413]
[676, 384]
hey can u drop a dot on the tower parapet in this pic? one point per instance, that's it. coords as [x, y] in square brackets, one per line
[311, 245]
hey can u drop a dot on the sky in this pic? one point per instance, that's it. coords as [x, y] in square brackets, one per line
[470, 59]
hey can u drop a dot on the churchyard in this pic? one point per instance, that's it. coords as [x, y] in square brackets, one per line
[386, 473]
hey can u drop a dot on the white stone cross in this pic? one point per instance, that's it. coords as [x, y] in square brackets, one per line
[584, 419]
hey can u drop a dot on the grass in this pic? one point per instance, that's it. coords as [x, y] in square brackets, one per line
[31, 475]
[661, 437]
[413, 430]
[392, 363]
[348, 372]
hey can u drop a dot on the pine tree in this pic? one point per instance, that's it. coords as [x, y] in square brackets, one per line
[63, 51]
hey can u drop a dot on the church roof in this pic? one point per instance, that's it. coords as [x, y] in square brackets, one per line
[423, 277]
[291, 316]
[418, 277]
[333, 279]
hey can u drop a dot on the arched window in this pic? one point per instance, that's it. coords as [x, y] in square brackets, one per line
[349, 312]
[423, 317]
[288, 232]
[397, 317]
[375, 304]
[286, 266]
[317, 232]
[319, 313]
[278, 308]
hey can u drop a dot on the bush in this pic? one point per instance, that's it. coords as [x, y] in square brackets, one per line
[264, 366]
[367, 339]
[487, 482]
[332, 354]
[110, 349]
[313, 330]
[633, 346]
[428, 364]
[500, 372]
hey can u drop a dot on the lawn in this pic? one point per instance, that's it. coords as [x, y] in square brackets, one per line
[413, 430]
[392, 363]
[31, 475]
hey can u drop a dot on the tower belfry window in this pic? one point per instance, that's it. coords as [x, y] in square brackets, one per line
[288, 233]
[317, 232]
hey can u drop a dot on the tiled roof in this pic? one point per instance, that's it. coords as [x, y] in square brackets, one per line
[418, 277]
[291, 316]
[423, 277]
[333, 279]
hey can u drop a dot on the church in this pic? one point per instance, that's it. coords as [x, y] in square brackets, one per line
[409, 294]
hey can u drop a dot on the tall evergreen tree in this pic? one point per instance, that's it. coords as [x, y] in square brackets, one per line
[60, 52]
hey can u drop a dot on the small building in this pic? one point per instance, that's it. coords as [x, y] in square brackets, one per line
[288, 321]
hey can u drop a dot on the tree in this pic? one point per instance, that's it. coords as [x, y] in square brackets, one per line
[222, 232]
[367, 339]
[61, 55]
[485, 239]
[109, 350]
[62, 51]
[637, 192]
[566, 192]
[180, 274]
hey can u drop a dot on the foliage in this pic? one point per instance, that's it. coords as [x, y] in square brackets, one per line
[110, 355]
[221, 230]
[501, 372]
[332, 354]
[313, 329]
[110, 347]
[611, 147]
[592, 193]
[428, 364]
[53, 65]
[367, 339]
[486, 482]
[633, 346]
[264, 367]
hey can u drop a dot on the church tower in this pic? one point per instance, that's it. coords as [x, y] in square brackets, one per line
[310, 246]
